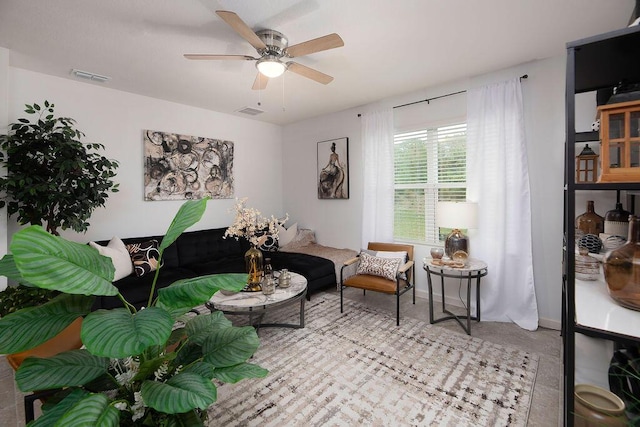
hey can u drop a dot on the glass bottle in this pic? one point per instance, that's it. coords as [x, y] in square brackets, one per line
[590, 222]
[268, 281]
[616, 221]
[268, 269]
[622, 269]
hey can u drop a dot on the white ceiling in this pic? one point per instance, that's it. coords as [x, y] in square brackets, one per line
[391, 48]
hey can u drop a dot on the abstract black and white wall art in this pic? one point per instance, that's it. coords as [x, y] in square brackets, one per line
[181, 167]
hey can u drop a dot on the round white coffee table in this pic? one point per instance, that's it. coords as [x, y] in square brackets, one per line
[257, 304]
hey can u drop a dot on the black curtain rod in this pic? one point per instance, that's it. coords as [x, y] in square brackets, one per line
[438, 97]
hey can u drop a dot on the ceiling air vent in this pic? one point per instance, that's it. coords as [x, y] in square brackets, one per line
[89, 76]
[250, 111]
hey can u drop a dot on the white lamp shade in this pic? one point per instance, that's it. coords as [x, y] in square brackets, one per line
[271, 66]
[462, 215]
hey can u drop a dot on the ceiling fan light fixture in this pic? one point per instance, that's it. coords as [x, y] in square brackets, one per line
[271, 66]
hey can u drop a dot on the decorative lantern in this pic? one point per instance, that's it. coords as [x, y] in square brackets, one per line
[586, 165]
[620, 142]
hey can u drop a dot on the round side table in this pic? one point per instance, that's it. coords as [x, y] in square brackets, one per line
[474, 269]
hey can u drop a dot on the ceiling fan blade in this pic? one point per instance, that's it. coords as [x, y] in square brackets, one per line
[241, 28]
[204, 56]
[327, 42]
[260, 82]
[309, 73]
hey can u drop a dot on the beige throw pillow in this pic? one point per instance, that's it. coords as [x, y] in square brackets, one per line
[117, 251]
[286, 235]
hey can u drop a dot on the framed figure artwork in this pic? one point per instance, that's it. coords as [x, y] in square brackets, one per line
[333, 169]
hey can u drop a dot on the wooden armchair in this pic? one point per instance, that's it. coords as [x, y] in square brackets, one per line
[381, 274]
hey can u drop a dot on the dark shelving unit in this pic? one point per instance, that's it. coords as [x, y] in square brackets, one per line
[599, 62]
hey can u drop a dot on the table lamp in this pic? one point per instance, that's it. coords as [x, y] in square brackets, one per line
[457, 216]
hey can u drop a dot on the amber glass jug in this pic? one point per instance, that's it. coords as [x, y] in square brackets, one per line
[622, 269]
[590, 222]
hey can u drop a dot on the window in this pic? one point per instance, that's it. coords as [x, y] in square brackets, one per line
[430, 165]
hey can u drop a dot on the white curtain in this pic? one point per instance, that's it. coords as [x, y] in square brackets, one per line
[377, 155]
[498, 180]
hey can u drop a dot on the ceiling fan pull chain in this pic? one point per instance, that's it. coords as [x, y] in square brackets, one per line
[283, 78]
[259, 91]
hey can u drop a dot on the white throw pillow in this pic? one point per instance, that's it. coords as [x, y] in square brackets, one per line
[117, 251]
[286, 235]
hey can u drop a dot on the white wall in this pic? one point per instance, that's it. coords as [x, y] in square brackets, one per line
[117, 119]
[4, 121]
[337, 222]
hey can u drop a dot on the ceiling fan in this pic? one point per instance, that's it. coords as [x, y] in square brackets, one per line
[273, 47]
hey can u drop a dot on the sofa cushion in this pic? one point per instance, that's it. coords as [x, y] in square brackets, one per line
[223, 264]
[286, 235]
[205, 245]
[136, 289]
[117, 251]
[319, 272]
[144, 256]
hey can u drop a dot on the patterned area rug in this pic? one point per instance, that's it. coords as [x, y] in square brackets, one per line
[359, 368]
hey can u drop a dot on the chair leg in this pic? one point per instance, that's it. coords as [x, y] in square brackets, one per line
[341, 297]
[414, 294]
[397, 308]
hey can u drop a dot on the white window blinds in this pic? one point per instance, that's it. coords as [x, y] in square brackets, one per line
[430, 165]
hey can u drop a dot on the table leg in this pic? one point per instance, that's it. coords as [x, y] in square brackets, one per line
[430, 288]
[478, 298]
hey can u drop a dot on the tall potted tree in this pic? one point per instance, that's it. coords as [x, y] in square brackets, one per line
[52, 177]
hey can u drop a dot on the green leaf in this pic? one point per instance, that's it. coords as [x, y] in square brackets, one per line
[230, 346]
[200, 327]
[93, 410]
[8, 269]
[181, 393]
[30, 327]
[189, 213]
[203, 369]
[233, 374]
[117, 333]
[51, 262]
[51, 414]
[189, 293]
[71, 368]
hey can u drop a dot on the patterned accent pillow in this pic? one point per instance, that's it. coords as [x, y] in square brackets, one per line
[270, 243]
[144, 256]
[376, 266]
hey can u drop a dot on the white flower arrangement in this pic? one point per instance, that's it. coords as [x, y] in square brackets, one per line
[250, 224]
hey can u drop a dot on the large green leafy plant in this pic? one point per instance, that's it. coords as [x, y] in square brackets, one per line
[139, 367]
[52, 177]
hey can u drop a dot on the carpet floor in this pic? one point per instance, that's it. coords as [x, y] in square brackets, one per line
[359, 368]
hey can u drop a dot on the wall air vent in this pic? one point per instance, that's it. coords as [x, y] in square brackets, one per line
[250, 111]
[90, 76]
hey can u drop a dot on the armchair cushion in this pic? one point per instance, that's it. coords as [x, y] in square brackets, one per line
[379, 266]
